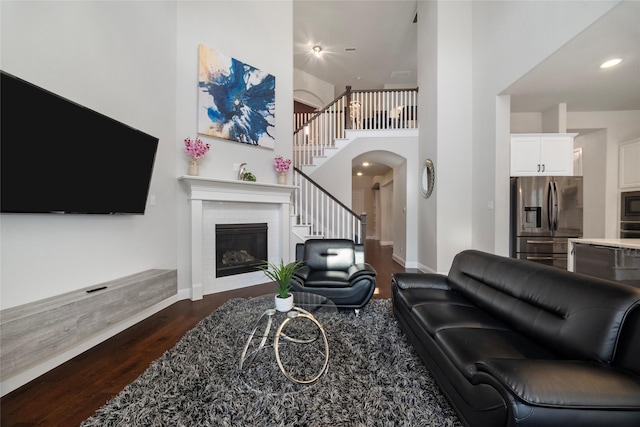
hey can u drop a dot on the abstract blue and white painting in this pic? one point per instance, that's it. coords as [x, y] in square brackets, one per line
[235, 101]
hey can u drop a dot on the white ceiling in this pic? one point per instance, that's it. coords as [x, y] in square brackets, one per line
[381, 32]
[572, 75]
[385, 41]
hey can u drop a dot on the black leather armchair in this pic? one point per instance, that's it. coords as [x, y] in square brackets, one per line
[335, 269]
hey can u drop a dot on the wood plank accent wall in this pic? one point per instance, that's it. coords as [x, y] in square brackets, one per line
[34, 332]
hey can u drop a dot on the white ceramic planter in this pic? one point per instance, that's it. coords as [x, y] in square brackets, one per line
[284, 304]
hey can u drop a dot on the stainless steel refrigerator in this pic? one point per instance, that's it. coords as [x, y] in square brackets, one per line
[545, 212]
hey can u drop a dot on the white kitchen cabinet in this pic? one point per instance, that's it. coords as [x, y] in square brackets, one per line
[629, 165]
[542, 154]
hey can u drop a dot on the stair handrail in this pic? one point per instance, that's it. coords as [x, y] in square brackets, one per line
[324, 110]
[323, 190]
[356, 233]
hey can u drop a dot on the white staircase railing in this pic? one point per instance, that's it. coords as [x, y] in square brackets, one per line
[318, 132]
[322, 215]
[316, 210]
[358, 110]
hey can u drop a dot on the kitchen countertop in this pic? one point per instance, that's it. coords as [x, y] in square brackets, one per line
[614, 243]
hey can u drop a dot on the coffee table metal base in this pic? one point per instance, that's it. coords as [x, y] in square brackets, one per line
[295, 315]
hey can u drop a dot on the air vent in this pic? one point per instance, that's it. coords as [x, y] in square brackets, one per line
[350, 49]
[400, 74]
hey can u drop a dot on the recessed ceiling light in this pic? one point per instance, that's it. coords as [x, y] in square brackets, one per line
[611, 63]
[359, 174]
[365, 164]
[317, 50]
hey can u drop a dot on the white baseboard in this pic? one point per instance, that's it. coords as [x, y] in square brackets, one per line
[424, 269]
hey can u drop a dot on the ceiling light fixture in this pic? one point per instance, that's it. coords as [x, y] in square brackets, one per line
[611, 63]
[365, 164]
[359, 174]
[317, 50]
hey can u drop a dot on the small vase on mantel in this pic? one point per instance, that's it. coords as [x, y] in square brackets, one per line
[194, 168]
[282, 178]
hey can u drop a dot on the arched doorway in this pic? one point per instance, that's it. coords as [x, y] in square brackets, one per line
[373, 192]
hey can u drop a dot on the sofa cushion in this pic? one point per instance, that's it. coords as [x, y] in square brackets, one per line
[411, 297]
[327, 279]
[467, 346]
[434, 317]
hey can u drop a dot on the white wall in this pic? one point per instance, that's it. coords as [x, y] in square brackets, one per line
[456, 211]
[386, 214]
[594, 150]
[135, 62]
[335, 177]
[445, 72]
[402, 215]
[310, 90]
[363, 200]
[619, 126]
[427, 229]
[509, 39]
[525, 122]
[240, 30]
[118, 59]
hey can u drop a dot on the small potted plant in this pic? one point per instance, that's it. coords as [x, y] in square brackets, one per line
[281, 275]
[248, 176]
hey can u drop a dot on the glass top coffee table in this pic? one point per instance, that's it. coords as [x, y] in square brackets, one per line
[298, 339]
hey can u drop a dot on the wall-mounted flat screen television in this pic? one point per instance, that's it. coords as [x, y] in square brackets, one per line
[60, 157]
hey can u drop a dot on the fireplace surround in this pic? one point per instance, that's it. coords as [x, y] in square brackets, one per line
[218, 201]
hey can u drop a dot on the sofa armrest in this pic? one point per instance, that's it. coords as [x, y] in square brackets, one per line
[302, 273]
[563, 383]
[420, 280]
[361, 270]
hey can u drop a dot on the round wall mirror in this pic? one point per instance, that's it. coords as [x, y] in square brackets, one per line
[427, 178]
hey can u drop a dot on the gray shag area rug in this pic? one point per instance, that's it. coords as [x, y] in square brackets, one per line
[374, 378]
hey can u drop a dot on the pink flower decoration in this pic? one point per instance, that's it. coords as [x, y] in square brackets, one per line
[195, 149]
[281, 164]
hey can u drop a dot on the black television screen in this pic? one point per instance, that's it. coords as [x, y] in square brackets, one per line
[60, 157]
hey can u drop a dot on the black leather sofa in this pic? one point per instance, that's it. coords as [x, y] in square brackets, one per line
[515, 343]
[335, 269]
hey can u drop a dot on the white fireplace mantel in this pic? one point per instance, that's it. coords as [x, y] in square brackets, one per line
[226, 190]
[201, 189]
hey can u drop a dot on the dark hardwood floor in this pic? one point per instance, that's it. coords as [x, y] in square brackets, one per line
[70, 393]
